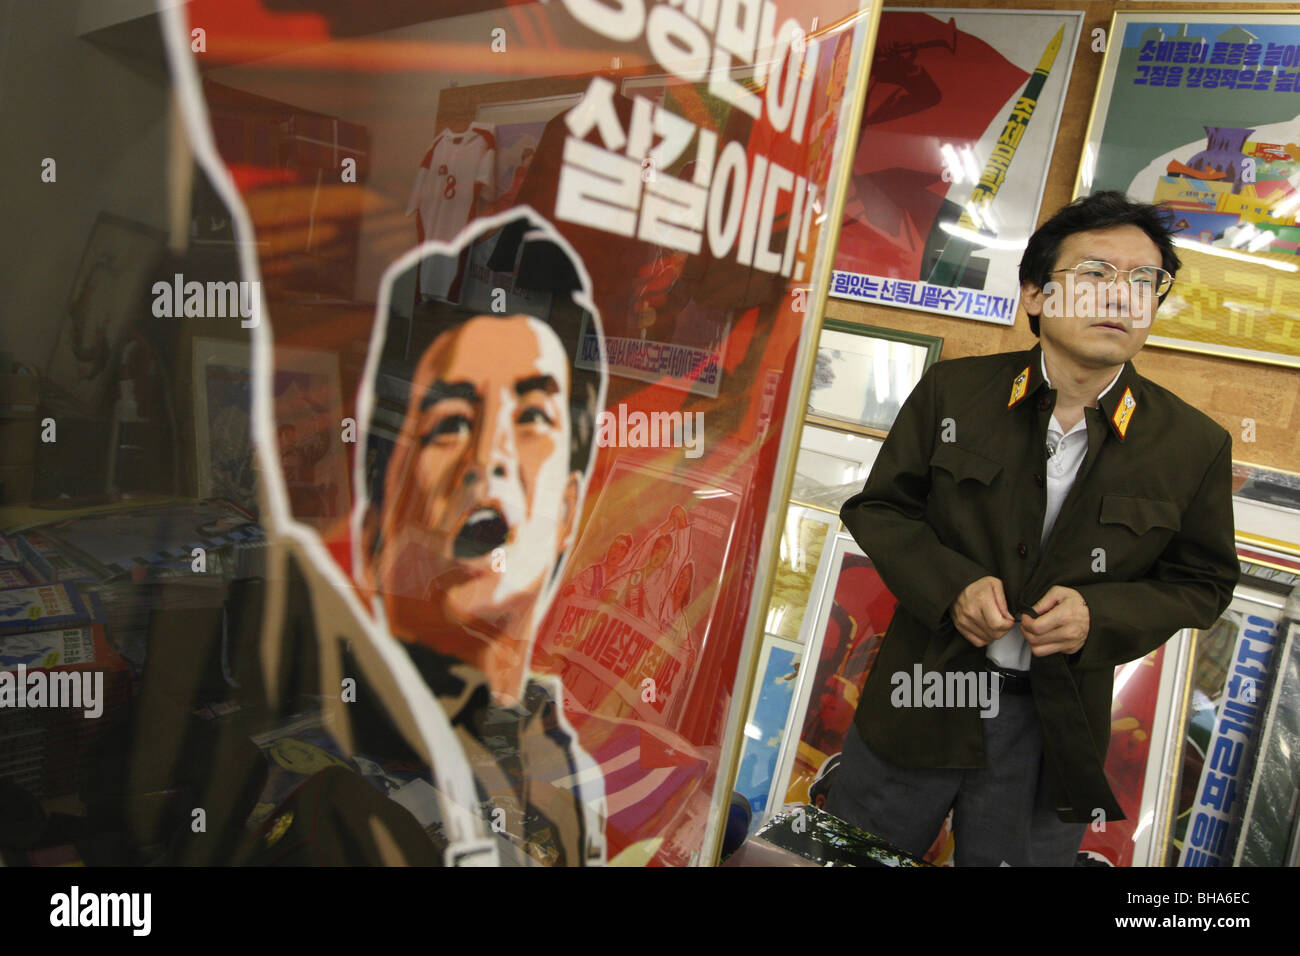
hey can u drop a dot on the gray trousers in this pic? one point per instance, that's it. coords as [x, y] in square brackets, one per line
[1001, 814]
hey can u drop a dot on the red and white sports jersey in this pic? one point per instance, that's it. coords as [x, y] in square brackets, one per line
[443, 194]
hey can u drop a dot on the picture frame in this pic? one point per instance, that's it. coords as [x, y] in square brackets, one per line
[222, 377]
[1270, 831]
[949, 175]
[308, 415]
[1266, 506]
[517, 126]
[104, 301]
[850, 616]
[665, 601]
[767, 723]
[1269, 486]
[864, 374]
[1159, 794]
[1196, 110]
[805, 535]
[1145, 714]
[807, 538]
[1151, 744]
[832, 466]
[1197, 786]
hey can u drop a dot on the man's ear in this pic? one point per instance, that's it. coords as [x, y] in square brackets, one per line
[1031, 297]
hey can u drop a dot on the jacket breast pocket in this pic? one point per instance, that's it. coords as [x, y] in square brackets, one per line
[1140, 515]
[965, 465]
[963, 506]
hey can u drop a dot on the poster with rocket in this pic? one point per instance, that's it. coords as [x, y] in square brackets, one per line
[957, 133]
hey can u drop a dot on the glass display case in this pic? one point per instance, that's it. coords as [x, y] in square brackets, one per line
[417, 392]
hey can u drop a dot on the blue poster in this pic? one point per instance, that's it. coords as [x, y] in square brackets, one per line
[766, 725]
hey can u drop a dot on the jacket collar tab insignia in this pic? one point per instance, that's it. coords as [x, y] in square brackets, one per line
[1019, 387]
[1123, 415]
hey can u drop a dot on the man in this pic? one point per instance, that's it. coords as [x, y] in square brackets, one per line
[467, 523]
[1042, 517]
[477, 445]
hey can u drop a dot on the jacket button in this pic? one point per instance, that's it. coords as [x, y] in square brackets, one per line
[1044, 403]
[1038, 480]
[1022, 550]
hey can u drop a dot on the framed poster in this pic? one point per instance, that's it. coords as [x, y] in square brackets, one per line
[107, 291]
[222, 425]
[832, 466]
[636, 612]
[1197, 111]
[1271, 486]
[517, 126]
[1231, 670]
[804, 539]
[852, 614]
[308, 408]
[864, 374]
[765, 726]
[949, 173]
[641, 597]
[613, 539]
[1144, 716]
[1271, 820]
[1266, 506]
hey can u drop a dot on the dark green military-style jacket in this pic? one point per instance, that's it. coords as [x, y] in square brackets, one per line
[959, 492]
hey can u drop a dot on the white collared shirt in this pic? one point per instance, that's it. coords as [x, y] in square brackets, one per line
[1065, 454]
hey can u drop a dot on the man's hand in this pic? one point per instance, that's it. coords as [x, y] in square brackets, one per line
[980, 612]
[1062, 623]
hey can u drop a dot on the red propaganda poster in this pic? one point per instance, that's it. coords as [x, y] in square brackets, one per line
[644, 589]
[949, 172]
[566, 258]
[850, 627]
[625, 635]
[1132, 725]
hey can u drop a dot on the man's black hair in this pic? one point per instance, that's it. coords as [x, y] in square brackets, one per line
[535, 263]
[1101, 210]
